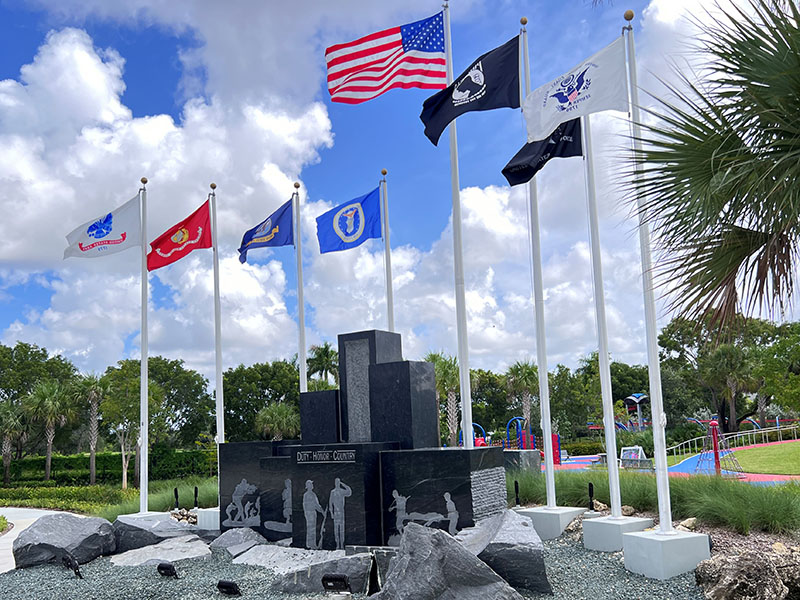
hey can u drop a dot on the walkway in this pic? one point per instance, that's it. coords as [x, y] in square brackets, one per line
[21, 518]
[688, 467]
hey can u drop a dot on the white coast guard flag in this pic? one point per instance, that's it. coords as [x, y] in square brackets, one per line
[108, 234]
[598, 83]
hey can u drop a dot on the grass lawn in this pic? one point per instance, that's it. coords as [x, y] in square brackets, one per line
[780, 459]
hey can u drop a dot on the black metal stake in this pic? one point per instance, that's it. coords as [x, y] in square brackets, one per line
[195, 496]
[591, 496]
[516, 491]
[177, 506]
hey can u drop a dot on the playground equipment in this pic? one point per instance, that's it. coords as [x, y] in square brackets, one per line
[482, 436]
[753, 422]
[525, 439]
[718, 456]
[636, 401]
[698, 421]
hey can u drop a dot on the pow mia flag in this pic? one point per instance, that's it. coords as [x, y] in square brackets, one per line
[564, 142]
[492, 81]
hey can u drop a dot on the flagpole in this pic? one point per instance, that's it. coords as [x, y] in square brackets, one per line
[387, 251]
[602, 329]
[651, 330]
[538, 295]
[217, 320]
[301, 354]
[458, 259]
[144, 418]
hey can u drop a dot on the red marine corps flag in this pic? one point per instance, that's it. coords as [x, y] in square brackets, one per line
[177, 241]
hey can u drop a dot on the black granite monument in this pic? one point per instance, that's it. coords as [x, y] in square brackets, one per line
[367, 464]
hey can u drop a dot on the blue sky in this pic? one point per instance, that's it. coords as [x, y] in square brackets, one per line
[95, 95]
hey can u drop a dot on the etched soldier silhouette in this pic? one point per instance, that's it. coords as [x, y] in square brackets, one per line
[399, 506]
[311, 507]
[452, 514]
[339, 492]
[286, 496]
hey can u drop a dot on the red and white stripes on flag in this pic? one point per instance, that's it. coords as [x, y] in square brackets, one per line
[409, 56]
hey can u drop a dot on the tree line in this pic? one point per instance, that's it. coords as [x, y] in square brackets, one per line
[749, 369]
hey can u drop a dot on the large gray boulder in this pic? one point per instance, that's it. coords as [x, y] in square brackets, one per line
[237, 538]
[516, 553]
[432, 565]
[309, 579]
[170, 550]
[135, 532]
[49, 537]
[748, 576]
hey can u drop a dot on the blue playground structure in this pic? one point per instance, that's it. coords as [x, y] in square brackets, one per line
[524, 438]
[474, 425]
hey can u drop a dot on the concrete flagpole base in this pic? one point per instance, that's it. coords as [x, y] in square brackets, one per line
[550, 523]
[659, 556]
[605, 533]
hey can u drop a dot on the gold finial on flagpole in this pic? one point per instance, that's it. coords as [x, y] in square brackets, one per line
[143, 180]
[523, 21]
[628, 15]
[213, 186]
[383, 172]
[297, 185]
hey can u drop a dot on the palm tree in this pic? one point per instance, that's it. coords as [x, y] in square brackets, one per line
[325, 361]
[49, 404]
[721, 167]
[523, 383]
[447, 386]
[11, 427]
[278, 420]
[92, 389]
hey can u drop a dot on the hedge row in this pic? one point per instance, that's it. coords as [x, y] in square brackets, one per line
[582, 448]
[74, 469]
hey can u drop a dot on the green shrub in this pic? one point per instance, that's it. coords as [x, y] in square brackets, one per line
[3, 523]
[735, 504]
[582, 448]
[74, 469]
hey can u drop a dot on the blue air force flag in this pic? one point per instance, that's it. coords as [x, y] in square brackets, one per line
[351, 224]
[275, 230]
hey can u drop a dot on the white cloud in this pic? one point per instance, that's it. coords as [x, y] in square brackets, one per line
[70, 150]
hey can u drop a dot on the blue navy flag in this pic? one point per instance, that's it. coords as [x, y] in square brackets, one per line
[351, 224]
[275, 230]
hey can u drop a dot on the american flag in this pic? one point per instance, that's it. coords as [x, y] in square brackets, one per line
[409, 56]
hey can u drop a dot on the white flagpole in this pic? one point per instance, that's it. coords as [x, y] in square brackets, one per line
[220, 408]
[602, 329]
[651, 330]
[538, 295]
[301, 353]
[458, 259]
[144, 418]
[387, 250]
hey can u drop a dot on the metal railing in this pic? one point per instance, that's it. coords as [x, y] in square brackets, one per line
[735, 439]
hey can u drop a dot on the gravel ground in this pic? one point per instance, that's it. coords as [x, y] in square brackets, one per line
[575, 574]
[103, 581]
[579, 574]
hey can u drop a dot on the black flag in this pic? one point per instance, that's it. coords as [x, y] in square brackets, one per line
[490, 82]
[564, 142]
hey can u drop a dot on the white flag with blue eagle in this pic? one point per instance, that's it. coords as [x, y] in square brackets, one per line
[598, 83]
[108, 234]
